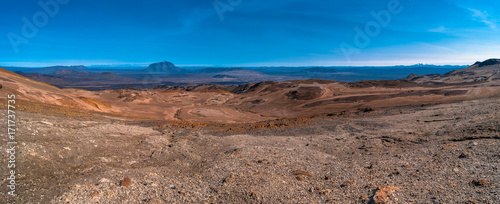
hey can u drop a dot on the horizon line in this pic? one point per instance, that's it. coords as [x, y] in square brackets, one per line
[44, 65]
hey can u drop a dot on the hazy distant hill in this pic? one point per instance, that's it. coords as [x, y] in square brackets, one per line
[165, 72]
[71, 78]
[49, 70]
[217, 70]
[320, 70]
[488, 70]
[487, 62]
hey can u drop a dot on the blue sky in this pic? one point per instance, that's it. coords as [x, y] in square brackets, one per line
[248, 32]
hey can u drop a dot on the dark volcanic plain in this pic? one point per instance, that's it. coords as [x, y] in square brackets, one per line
[424, 139]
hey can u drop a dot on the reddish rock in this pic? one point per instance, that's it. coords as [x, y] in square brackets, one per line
[382, 194]
[126, 182]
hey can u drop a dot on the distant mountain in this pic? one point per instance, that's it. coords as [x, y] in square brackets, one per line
[486, 71]
[49, 70]
[223, 76]
[66, 72]
[217, 70]
[71, 78]
[43, 78]
[488, 62]
[164, 67]
[320, 70]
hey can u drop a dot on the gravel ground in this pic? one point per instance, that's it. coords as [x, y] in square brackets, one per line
[445, 153]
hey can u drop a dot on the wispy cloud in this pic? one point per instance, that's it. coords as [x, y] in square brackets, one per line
[440, 29]
[482, 16]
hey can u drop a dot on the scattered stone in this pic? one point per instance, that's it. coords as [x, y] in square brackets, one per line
[154, 201]
[325, 191]
[104, 180]
[346, 184]
[126, 182]
[312, 189]
[464, 155]
[327, 177]
[299, 178]
[94, 194]
[395, 172]
[455, 170]
[365, 110]
[253, 193]
[228, 178]
[480, 182]
[182, 193]
[47, 123]
[363, 198]
[263, 161]
[303, 173]
[383, 193]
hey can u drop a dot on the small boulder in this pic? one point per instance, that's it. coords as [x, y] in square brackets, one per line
[383, 193]
[126, 182]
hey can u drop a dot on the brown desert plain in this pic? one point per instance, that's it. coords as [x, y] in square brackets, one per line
[423, 139]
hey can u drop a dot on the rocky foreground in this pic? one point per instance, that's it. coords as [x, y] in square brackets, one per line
[433, 153]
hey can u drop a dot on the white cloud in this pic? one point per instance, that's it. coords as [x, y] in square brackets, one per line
[482, 16]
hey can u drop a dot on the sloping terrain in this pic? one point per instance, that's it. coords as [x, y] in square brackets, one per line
[273, 100]
[486, 71]
[268, 100]
[38, 92]
[432, 154]
[69, 78]
[307, 141]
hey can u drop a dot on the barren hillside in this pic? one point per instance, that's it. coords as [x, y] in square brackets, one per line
[427, 139]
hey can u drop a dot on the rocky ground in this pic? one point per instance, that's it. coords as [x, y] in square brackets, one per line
[431, 153]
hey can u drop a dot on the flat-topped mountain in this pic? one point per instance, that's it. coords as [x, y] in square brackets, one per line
[164, 67]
